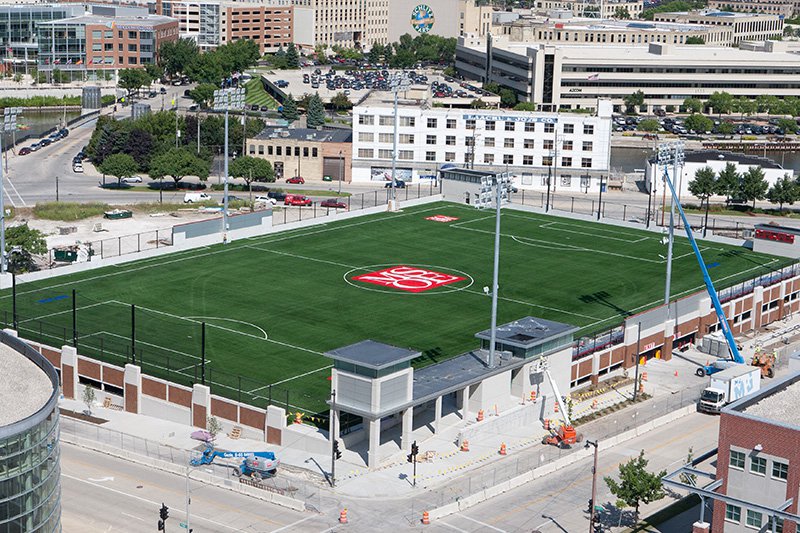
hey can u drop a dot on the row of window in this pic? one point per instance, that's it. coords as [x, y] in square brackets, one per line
[279, 150]
[754, 519]
[488, 159]
[452, 123]
[450, 140]
[758, 465]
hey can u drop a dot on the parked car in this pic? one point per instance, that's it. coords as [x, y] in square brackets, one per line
[334, 203]
[63, 133]
[191, 197]
[78, 168]
[24, 151]
[45, 142]
[277, 195]
[400, 184]
[296, 179]
[254, 107]
[296, 199]
[132, 179]
[264, 108]
[34, 147]
[163, 90]
[265, 200]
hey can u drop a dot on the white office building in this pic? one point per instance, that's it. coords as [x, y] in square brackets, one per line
[570, 149]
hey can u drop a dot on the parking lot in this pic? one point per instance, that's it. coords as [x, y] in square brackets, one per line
[676, 125]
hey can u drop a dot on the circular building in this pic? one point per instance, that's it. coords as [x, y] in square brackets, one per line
[30, 488]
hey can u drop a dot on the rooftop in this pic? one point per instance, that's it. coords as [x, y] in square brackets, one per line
[24, 389]
[704, 156]
[715, 13]
[776, 403]
[457, 373]
[528, 332]
[307, 134]
[120, 22]
[611, 25]
[372, 354]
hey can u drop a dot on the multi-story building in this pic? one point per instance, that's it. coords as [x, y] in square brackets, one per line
[576, 76]
[84, 46]
[312, 154]
[593, 8]
[30, 474]
[742, 26]
[784, 8]
[570, 150]
[438, 17]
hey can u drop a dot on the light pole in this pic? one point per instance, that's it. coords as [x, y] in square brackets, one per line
[9, 124]
[226, 100]
[670, 153]
[341, 172]
[594, 484]
[494, 190]
[397, 83]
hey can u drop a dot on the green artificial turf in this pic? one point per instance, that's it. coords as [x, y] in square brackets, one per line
[255, 94]
[296, 289]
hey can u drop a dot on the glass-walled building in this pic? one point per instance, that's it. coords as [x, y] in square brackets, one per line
[30, 490]
[18, 31]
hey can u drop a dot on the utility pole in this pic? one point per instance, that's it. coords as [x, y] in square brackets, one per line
[226, 100]
[335, 453]
[9, 124]
[638, 356]
[397, 83]
[600, 200]
[594, 485]
[670, 153]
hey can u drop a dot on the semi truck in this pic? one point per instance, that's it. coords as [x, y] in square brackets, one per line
[729, 385]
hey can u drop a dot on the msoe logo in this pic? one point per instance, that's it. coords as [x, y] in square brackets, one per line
[410, 279]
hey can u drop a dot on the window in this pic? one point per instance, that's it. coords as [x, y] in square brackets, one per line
[780, 470]
[279, 151]
[406, 138]
[449, 156]
[97, 34]
[431, 122]
[530, 127]
[566, 181]
[549, 127]
[488, 159]
[508, 159]
[569, 128]
[588, 129]
[365, 137]
[778, 525]
[252, 148]
[107, 47]
[384, 154]
[314, 152]
[305, 151]
[733, 513]
[132, 47]
[489, 142]
[430, 156]
[365, 152]
[758, 465]
[753, 519]
[527, 160]
[108, 35]
[405, 154]
[547, 144]
[450, 140]
[132, 60]
[367, 120]
[386, 137]
[132, 35]
[296, 151]
[510, 126]
[586, 162]
[260, 149]
[470, 123]
[547, 161]
[587, 146]
[386, 120]
[566, 145]
[407, 122]
[451, 123]
[528, 144]
[97, 47]
[508, 143]
[269, 150]
[566, 161]
[586, 181]
[430, 139]
[489, 125]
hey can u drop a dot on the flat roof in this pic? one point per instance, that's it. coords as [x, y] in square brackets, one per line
[609, 25]
[372, 354]
[776, 403]
[117, 21]
[24, 388]
[528, 332]
[704, 156]
[456, 374]
[307, 134]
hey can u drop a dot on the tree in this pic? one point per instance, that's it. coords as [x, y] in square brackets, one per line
[375, 53]
[88, 398]
[289, 110]
[177, 163]
[203, 94]
[692, 105]
[315, 114]
[636, 485]
[119, 165]
[726, 128]
[622, 13]
[322, 55]
[704, 184]
[133, 79]
[292, 57]
[252, 169]
[785, 191]
[508, 97]
[694, 39]
[140, 146]
[634, 100]
[154, 71]
[175, 56]
[341, 102]
[522, 106]
[788, 125]
[698, 123]
[648, 124]
[22, 243]
[213, 427]
[728, 182]
[720, 102]
[754, 185]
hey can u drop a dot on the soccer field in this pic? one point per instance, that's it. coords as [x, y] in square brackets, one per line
[274, 304]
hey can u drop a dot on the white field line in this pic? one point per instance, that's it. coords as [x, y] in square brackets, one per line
[521, 302]
[290, 379]
[596, 234]
[317, 260]
[64, 311]
[206, 318]
[153, 345]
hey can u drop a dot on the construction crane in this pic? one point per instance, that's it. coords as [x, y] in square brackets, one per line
[258, 465]
[564, 436]
[735, 357]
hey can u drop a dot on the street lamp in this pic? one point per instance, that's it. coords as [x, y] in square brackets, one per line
[9, 124]
[495, 189]
[670, 153]
[594, 484]
[397, 84]
[226, 100]
[341, 172]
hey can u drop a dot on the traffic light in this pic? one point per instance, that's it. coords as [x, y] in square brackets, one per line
[410, 458]
[163, 512]
[336, 453]
[590, 506]
[414, 448]
[161, 525]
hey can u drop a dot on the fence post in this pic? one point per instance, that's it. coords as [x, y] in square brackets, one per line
[287, 390]
[572, 206]
[102, 256]
[138, 242]
[119, 245]
[240, 388]
[270, 394]
[624, 211]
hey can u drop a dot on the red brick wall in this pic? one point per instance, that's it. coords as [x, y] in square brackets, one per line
[113, 376]
[67, 375]
[54, 356]
[156, 389]
[181, 397]
[254, 419]
[224, 410]
[89, 369]
[131, 398]
[199, 416]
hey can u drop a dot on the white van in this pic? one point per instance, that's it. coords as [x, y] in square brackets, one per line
[191, 197]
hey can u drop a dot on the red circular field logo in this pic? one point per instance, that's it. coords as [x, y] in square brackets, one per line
[408, 278]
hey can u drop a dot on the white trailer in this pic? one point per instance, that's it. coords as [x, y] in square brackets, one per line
[728, 386]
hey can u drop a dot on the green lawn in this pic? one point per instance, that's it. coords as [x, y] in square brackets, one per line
[274, 304]
[255, 94]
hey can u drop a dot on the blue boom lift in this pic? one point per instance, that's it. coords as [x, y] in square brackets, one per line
[258, 465]
[736, 357]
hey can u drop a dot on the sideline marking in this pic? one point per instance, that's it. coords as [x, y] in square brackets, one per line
[290, 379]
[266, 337]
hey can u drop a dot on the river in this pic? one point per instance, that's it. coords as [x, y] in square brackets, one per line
[31, 125]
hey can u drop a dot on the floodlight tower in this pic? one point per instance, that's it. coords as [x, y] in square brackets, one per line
[226, 100]
[495, 189]
[670, 153]
[9, 125]
[397, 83]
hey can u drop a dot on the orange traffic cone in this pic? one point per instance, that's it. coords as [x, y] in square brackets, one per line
[644, 376]
[556, 408]
[594, 403]
[426, 518]
[343, 516]
[533, 395]
[503, 448]
[465, 445]
[676, 373]
[480, 415]
[547, 424]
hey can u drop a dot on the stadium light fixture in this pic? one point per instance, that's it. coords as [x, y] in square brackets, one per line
[670, 153]
[230, 99]
[397, 84]
[9, 125]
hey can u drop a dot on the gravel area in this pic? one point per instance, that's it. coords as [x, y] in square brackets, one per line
[24, 388]
[780, 406]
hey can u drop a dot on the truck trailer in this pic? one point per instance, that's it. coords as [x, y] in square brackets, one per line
[729, 385]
